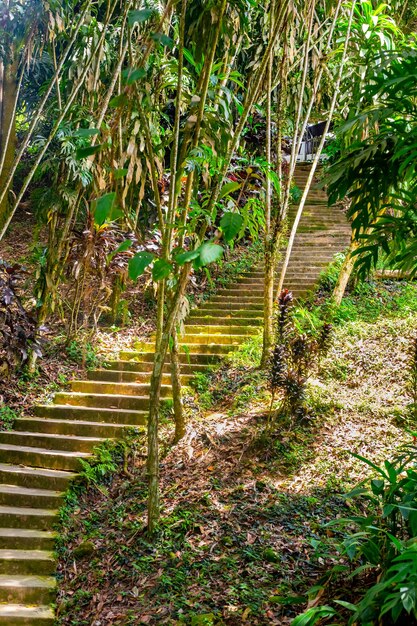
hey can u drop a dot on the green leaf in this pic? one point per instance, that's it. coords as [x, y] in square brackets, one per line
[139, 263]
[228, 188]
[164, 40]
[313, 615]
[408, 598]
[209, 253]
[125, 245]
[120, 173]
[103, 208]
[186, 257]
[346, 605]
[130, 75]
[85, 132]
[161, 269]
[140, 16]
[82, 153]
[118, 101]
[231, 223]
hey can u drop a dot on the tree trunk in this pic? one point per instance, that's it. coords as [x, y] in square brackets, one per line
[8, 95]
[344, 275]
[176, 388]
[164, 331]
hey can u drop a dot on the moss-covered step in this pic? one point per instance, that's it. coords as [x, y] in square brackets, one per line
[41, 457]
[100, 430]
[27, 496]
[27, 589]
[92, 414]
[26, 539]
[36, 478]
[27, 517]
[21, 615]
[40, 562]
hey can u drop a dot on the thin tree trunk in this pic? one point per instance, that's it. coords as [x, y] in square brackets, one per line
[345, 274]
[179, 416]
[164, 331]
[8, 97]
[269, 271]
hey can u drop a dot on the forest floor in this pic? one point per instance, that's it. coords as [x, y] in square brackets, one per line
[243, 503]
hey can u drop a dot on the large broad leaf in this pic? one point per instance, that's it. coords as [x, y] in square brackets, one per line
[162, 39]
[161, 269]
[139, 263]
[229, 188]
[137, 17]
[209, 253]
[231, 223]
[119, 101]
[83, 153]
[104, 206]
[186, 257]
[130, 75]
[85, 132]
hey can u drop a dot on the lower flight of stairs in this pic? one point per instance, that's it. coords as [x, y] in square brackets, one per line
[40, 457]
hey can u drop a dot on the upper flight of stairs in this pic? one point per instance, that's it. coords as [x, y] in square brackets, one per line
[40, 457]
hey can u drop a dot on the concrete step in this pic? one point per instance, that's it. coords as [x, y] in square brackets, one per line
[92, 414]
[38, 562]
[26, 539]
[50, 441]
[211, 338]
[191, 357]
[146, 367]
[100, 430]
[41, 457]
[217, 329]
[115, 388]
[27, 589]
[105, 401]
[133, 377]
[185, 349]
[27, 497]
[27, 517]
[213, 322]
[22, 615]
[35, 478]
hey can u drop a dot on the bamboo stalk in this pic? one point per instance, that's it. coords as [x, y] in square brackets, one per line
[317, 156]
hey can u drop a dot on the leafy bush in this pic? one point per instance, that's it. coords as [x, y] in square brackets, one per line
[381, 541]
[7, 417]
[83, 354]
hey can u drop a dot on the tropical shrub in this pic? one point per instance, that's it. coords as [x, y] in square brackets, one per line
[295, 358]
[378, 545]
[18, 327]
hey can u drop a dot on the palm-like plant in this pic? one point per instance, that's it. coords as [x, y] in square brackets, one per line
[378, 171]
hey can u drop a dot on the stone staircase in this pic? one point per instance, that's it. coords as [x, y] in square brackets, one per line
[40, 457]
